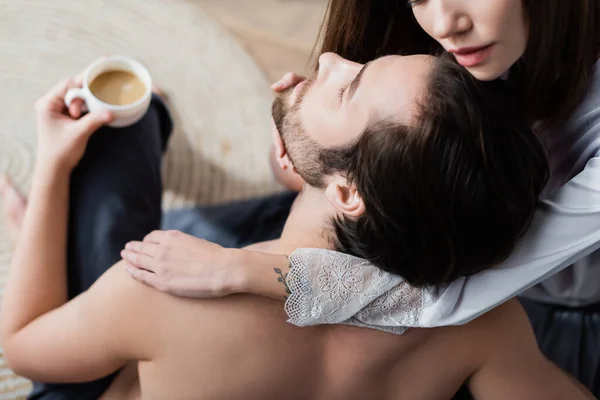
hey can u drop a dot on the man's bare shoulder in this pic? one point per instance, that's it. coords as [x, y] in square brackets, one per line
[146, 306]
[123, 291]
[505, 323]
[133, 307]
[511, 363]
[502, 333]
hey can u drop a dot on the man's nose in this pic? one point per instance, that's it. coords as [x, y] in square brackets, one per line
[331, 63]
[449, 20]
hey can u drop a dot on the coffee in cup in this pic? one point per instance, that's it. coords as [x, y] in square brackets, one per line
[118, 84]
[117, 87]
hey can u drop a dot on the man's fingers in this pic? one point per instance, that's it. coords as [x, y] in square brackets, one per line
[91, 122]
[149, 249]
[60, 89]
[49, 99]
[76, 108]
[139, 260]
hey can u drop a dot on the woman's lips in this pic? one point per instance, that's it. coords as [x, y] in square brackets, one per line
[472, 57]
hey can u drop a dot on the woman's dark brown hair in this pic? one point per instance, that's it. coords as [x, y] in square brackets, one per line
[550, 79]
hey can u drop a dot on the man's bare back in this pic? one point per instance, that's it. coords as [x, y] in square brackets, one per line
[242, 347]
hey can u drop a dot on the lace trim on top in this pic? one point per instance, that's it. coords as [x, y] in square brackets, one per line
[329, 287]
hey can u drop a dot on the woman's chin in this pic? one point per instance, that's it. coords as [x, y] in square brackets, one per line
[486, 73]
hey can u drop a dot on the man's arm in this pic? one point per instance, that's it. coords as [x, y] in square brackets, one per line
[37, 282]
[91, 336]
[513, 367]
[44, 338]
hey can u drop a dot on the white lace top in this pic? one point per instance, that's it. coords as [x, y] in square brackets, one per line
[332, 288]
[329, 287]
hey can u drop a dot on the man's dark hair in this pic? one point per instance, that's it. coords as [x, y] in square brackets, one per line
[449, 195]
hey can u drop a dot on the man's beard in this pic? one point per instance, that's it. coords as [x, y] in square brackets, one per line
[311, 160]
[303, 151]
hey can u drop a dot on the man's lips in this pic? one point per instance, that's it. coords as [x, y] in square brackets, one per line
[296, 92]
[471, 56]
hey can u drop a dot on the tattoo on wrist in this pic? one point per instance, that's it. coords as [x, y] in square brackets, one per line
[282, 279]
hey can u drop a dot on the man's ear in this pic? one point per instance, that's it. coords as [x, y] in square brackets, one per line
[345, 197]
[282, 166]
[284, 171]
[279, 151]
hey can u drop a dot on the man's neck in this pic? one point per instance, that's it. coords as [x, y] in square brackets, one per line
[307, 225]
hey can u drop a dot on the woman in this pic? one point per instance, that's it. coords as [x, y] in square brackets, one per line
[548, 53]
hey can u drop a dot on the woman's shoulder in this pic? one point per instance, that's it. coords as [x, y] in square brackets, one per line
[573, 143]
[591, 101]
[587, 114]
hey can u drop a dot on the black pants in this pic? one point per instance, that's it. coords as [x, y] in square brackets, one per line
[570, 337]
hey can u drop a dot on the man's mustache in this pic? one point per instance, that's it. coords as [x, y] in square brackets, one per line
[281, 105]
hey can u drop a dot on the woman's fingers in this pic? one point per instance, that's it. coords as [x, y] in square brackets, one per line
[149, 248]
[290, 79]
[155, 237]
[140, 260]
[146, 277]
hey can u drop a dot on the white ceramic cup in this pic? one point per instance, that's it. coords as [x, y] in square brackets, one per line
[125, 115]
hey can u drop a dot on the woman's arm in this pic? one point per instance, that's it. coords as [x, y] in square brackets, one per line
[44, 337]
[565, 229]
[183, 265]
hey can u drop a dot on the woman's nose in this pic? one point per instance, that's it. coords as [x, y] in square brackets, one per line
[448, 21]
